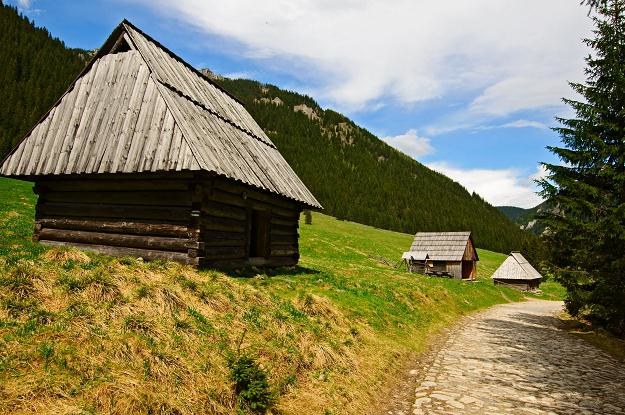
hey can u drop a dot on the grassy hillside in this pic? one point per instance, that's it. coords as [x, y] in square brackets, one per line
[85, 333]
[358, 177]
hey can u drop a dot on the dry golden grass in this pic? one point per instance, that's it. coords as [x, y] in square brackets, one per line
[120, 337]
[82, 333]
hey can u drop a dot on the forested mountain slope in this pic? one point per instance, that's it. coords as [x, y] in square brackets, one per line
[526, 218]
[358, 177]
[352, 173]
[35, 70]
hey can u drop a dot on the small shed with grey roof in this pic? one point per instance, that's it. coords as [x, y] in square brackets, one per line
[145, 156]
[517, 272]
[448, 253]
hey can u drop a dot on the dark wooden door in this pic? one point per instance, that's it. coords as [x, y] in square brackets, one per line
[467, 269]
[259, 233]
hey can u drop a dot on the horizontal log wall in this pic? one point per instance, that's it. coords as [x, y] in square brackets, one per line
[195, 219]
[523, 285]
[151, 218]
[225, 224]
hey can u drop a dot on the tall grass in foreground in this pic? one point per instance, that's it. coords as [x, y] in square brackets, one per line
[86, 333]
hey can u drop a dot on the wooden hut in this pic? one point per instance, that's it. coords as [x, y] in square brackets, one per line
[145, 156]
[450, 254]
[416, 261]
[517, 272]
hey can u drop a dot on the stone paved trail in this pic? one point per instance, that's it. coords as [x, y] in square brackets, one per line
[512, 359]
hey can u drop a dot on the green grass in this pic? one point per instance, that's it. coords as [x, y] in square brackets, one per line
[97, 334]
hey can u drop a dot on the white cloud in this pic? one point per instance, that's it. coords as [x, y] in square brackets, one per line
[25, 4]
[462, 121]
[411, 144]
[500, 187]
[525, 124]
[510, 54]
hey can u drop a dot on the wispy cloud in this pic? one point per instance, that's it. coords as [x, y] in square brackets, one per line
[500, 187]
[508, 55]
[525, 124]
[480, 124]
[410, 143]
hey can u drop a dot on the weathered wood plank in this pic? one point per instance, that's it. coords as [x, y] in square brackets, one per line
[94, 121]
[142, 127]
[123, 227]
[129, 185]
[120, 110]
[163, 198]
[279, 220]
[117, 251]
[217, 209]
[283, 230]
[222, 224]
[128, 212]
[160, 243]
[83, 85]
[209, 234]
[165, 141]
[236, 188]
[114, 160]
[234, 199]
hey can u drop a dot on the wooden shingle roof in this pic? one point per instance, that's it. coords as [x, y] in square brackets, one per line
[442, 246]
[516, 267]
[136, 108]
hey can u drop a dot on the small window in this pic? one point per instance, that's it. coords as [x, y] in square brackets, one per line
[259, 234]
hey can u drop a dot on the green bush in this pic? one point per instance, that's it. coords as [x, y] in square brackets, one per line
[250, 384]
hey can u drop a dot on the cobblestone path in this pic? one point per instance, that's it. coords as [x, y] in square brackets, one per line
[512, 359]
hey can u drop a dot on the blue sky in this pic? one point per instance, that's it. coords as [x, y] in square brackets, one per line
[467, 88]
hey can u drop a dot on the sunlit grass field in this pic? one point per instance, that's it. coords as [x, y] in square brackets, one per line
[86, 333]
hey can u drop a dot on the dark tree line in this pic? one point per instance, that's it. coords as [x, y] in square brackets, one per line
[35, 70]
[586, 230]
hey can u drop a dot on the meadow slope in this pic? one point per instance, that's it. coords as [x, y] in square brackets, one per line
[86, 333]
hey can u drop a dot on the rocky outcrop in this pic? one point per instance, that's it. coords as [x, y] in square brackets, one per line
[308, 111]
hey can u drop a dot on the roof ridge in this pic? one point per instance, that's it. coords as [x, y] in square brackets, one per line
[179, 59]
[212, 112]
[173, 114]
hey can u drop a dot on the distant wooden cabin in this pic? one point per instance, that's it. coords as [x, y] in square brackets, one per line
[518, 273]
[144, 156]
[417, 261]
[450, 254]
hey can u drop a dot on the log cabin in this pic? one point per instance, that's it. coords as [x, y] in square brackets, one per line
[144, 156]
[450, 254]
[517, 272]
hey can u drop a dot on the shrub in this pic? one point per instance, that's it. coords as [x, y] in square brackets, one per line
[250, 384]
[307, 217]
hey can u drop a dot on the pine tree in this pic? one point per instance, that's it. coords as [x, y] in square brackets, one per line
[587, 228]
